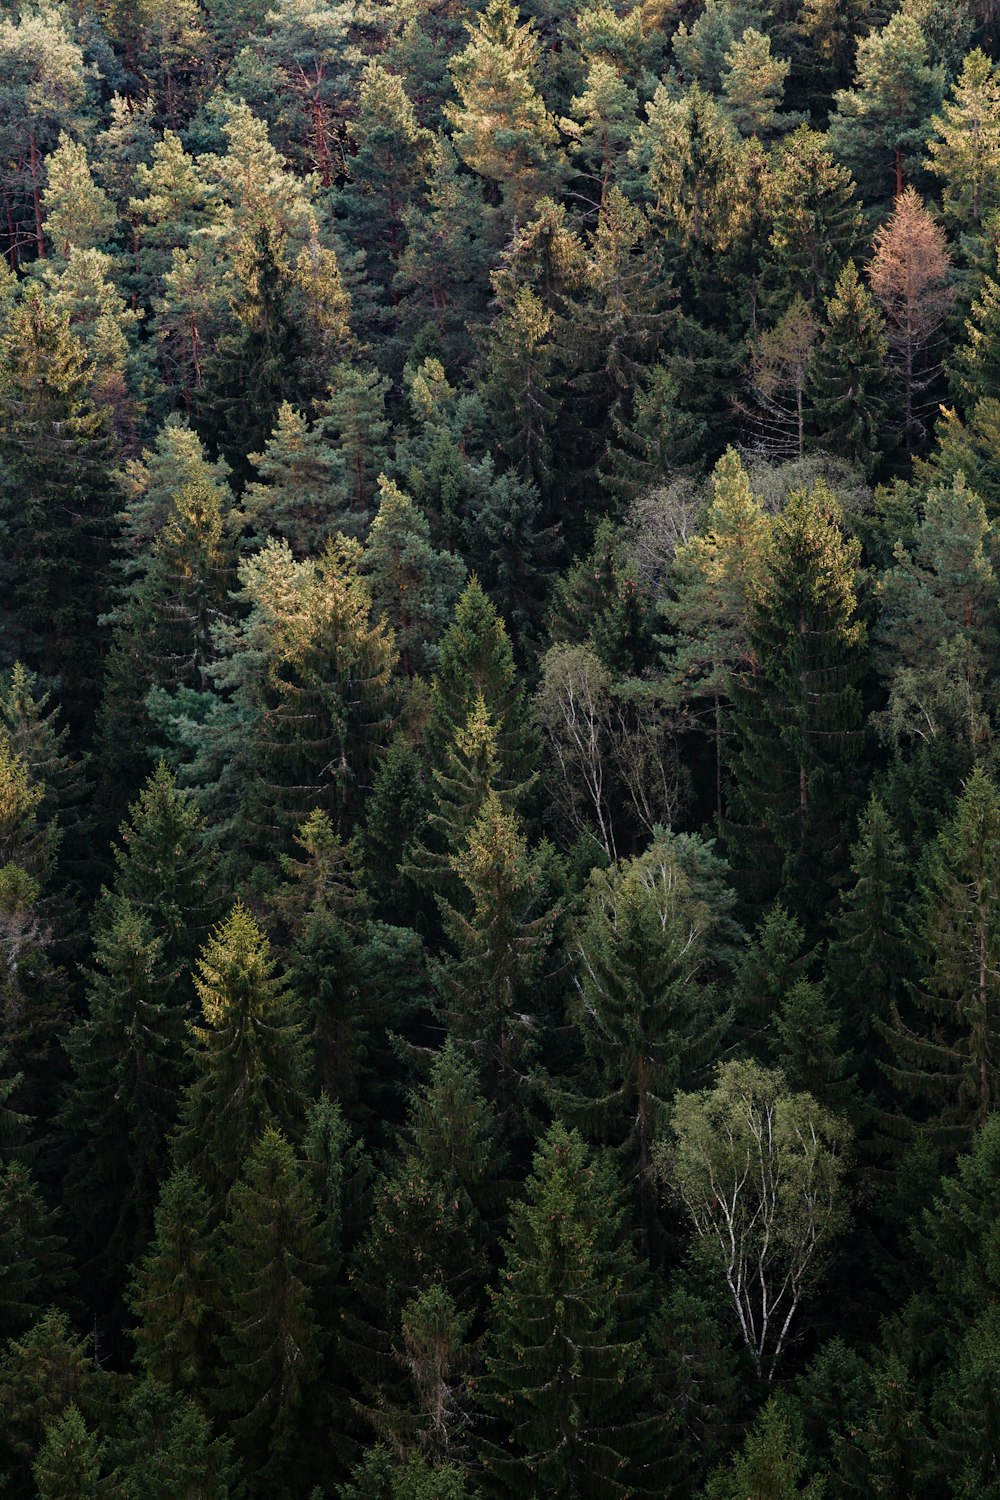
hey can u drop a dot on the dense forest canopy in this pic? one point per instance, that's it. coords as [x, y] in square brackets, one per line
[499, 804]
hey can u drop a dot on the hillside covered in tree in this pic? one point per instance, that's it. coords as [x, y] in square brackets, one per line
[499, 750]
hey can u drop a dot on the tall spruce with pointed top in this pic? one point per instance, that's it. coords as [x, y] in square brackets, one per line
[947, 1058]
[271, 1342]
[499, 934]
[174, 1292]
[475, 657]
[128, 1065]
[250, 1059]
[796, 719]
[650, 1016]
[565, 1373]
[851, 395]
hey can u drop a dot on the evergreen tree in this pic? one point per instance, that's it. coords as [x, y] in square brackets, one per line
[499, 950]
[56, 453]
[475, 658]
[850, 384]
[771, 1463]
[964, 151]
[502, 129]
[651, 1019]
[68, 1466]
[797, 718]
[565, 1374]
[174, 1292]
[302, 495]
[249, 1055]
[949, 1060]
[128, 1067]
[271, 1343]
[78, 213]
[881, 123]
[413, 585]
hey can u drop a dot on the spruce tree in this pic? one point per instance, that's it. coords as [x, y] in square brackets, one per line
[851, 397]
[817, 219]
[565, 1373]
[128, 1067]
[797, 718]
[475, 657]
[271, 1343]
[652, 1020]
[414, 586]
[56, 452]
[500, 936]
[68, 1466]
[249, 1055]
[174, 1292]
[945, 1064]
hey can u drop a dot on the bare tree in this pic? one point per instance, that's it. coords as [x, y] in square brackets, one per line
[780, 363]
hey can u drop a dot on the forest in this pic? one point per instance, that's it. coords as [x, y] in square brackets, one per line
[499, 749]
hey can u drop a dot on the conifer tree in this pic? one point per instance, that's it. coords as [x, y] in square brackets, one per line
[870, 960]
[78, 213]
[174, 1292]
[34, 1264]
[652, 1020]
[499, 936]
[475, 658]
[502, 129]
[849, 377]
[55, 499]
[250, 1058]
[302, 494]
[797, 718]
[413, 585]
[68, 1466]
[772, 1462]
[948, 1057]
[271, 1343]
[165, 870]
[881, 123]
[937, 632]
[909, 279]
[565, 1373]
[41, 1374]
[167, 1450]
[716, 575]
[817, 218]
[964, 151]
[128, 1067]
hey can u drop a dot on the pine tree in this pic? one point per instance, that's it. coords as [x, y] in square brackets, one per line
[881, 123]
[502, 129]
[849, 379]
[250, 1058]
[964, 151]
[271, 1343]
[78, 213]
[753, 84]
[565, 1374]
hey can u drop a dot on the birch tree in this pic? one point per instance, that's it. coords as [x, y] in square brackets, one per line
[760, 1171]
